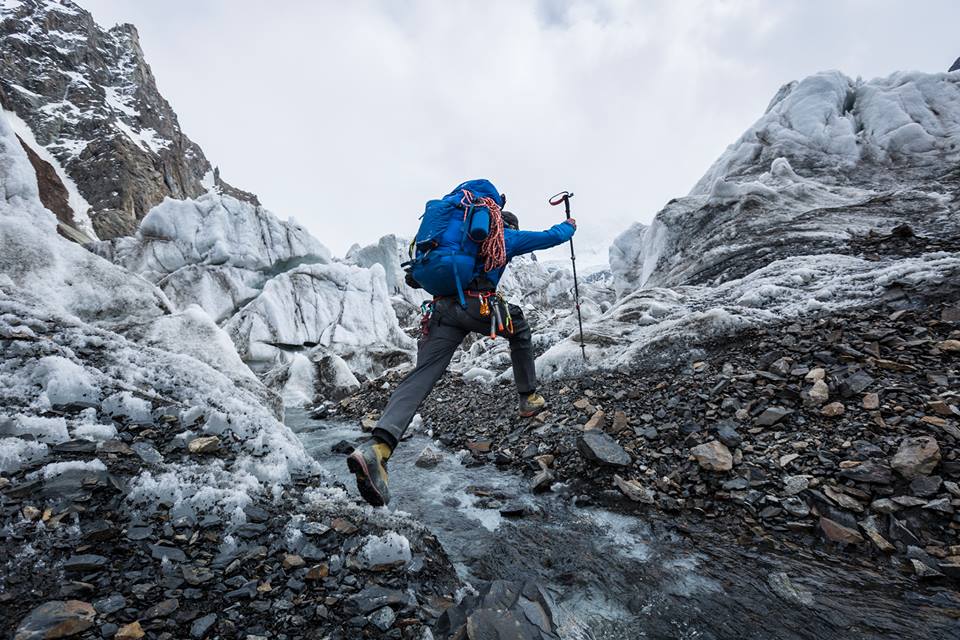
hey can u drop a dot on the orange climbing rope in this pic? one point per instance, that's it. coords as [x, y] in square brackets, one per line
[493, 249]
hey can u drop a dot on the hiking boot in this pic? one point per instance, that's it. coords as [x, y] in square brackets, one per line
[369, 463]
[531, 405]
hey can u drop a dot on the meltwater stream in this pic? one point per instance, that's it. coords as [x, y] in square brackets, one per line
[614, 577]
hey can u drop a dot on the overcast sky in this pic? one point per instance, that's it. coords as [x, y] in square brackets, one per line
[349, 115]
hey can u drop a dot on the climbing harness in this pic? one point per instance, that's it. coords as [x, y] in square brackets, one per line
[426, 308]
[492, 305]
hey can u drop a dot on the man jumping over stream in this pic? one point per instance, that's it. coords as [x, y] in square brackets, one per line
[463, 246]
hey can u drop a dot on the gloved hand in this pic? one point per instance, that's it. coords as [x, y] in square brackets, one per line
[413, 284]
[572, 222]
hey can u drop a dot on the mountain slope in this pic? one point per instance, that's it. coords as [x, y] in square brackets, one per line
[87, 98]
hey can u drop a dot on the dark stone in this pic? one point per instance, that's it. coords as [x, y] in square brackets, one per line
[771, 416]
[162, 609]
[85, 562]
[600, 448]
[727, 434]
[201, 626]
[344, 447]
[375, 597]
[159, 552]
[924, 486]
[868, 471]
[110, 604]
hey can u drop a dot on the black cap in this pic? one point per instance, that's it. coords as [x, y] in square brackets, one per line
[510, 221]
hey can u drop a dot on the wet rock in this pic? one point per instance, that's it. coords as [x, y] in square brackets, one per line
[204, 444]
[132, 631]
[344, 448]
[713, 456]
[479, 447]
[429, 458]
[916, 456]
[772, 416]
[600, 448]
[836, 532]
[201, 626]
[56, 619]
[633, 490]
[542, 481]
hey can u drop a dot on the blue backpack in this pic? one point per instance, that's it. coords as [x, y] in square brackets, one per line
[451, 231]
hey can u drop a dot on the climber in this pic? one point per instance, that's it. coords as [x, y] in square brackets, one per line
[458, 310]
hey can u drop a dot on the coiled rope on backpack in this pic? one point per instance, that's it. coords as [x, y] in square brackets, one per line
[493, 249]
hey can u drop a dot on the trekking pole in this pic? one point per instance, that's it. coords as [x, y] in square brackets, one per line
[564, 197]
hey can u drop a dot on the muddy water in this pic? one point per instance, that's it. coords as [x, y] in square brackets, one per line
[618, 577]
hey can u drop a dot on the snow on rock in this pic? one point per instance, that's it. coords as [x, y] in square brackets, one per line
[343, 308]
[65, 383]
[16, 453]
[658, 326]
[48, 430]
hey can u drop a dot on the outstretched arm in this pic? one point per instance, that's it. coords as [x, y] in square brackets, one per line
[521, 242]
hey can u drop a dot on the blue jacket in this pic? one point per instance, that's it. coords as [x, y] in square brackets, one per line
[518, 243]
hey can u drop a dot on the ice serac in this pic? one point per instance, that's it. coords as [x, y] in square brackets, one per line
[332, 308]
[390, 252]
[831, 159]
[88, 101]
[842, 191]
[96, 342]
[215, 251]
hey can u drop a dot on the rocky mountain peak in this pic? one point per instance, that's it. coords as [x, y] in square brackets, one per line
[87, 103]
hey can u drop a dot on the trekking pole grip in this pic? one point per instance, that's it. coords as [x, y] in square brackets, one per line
[564, 197]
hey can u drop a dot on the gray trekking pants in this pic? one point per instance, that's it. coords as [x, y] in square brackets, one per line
[448, 327]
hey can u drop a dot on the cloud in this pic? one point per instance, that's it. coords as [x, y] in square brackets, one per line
[348, 116]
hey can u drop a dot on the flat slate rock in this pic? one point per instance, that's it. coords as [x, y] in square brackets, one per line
[600, 448]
